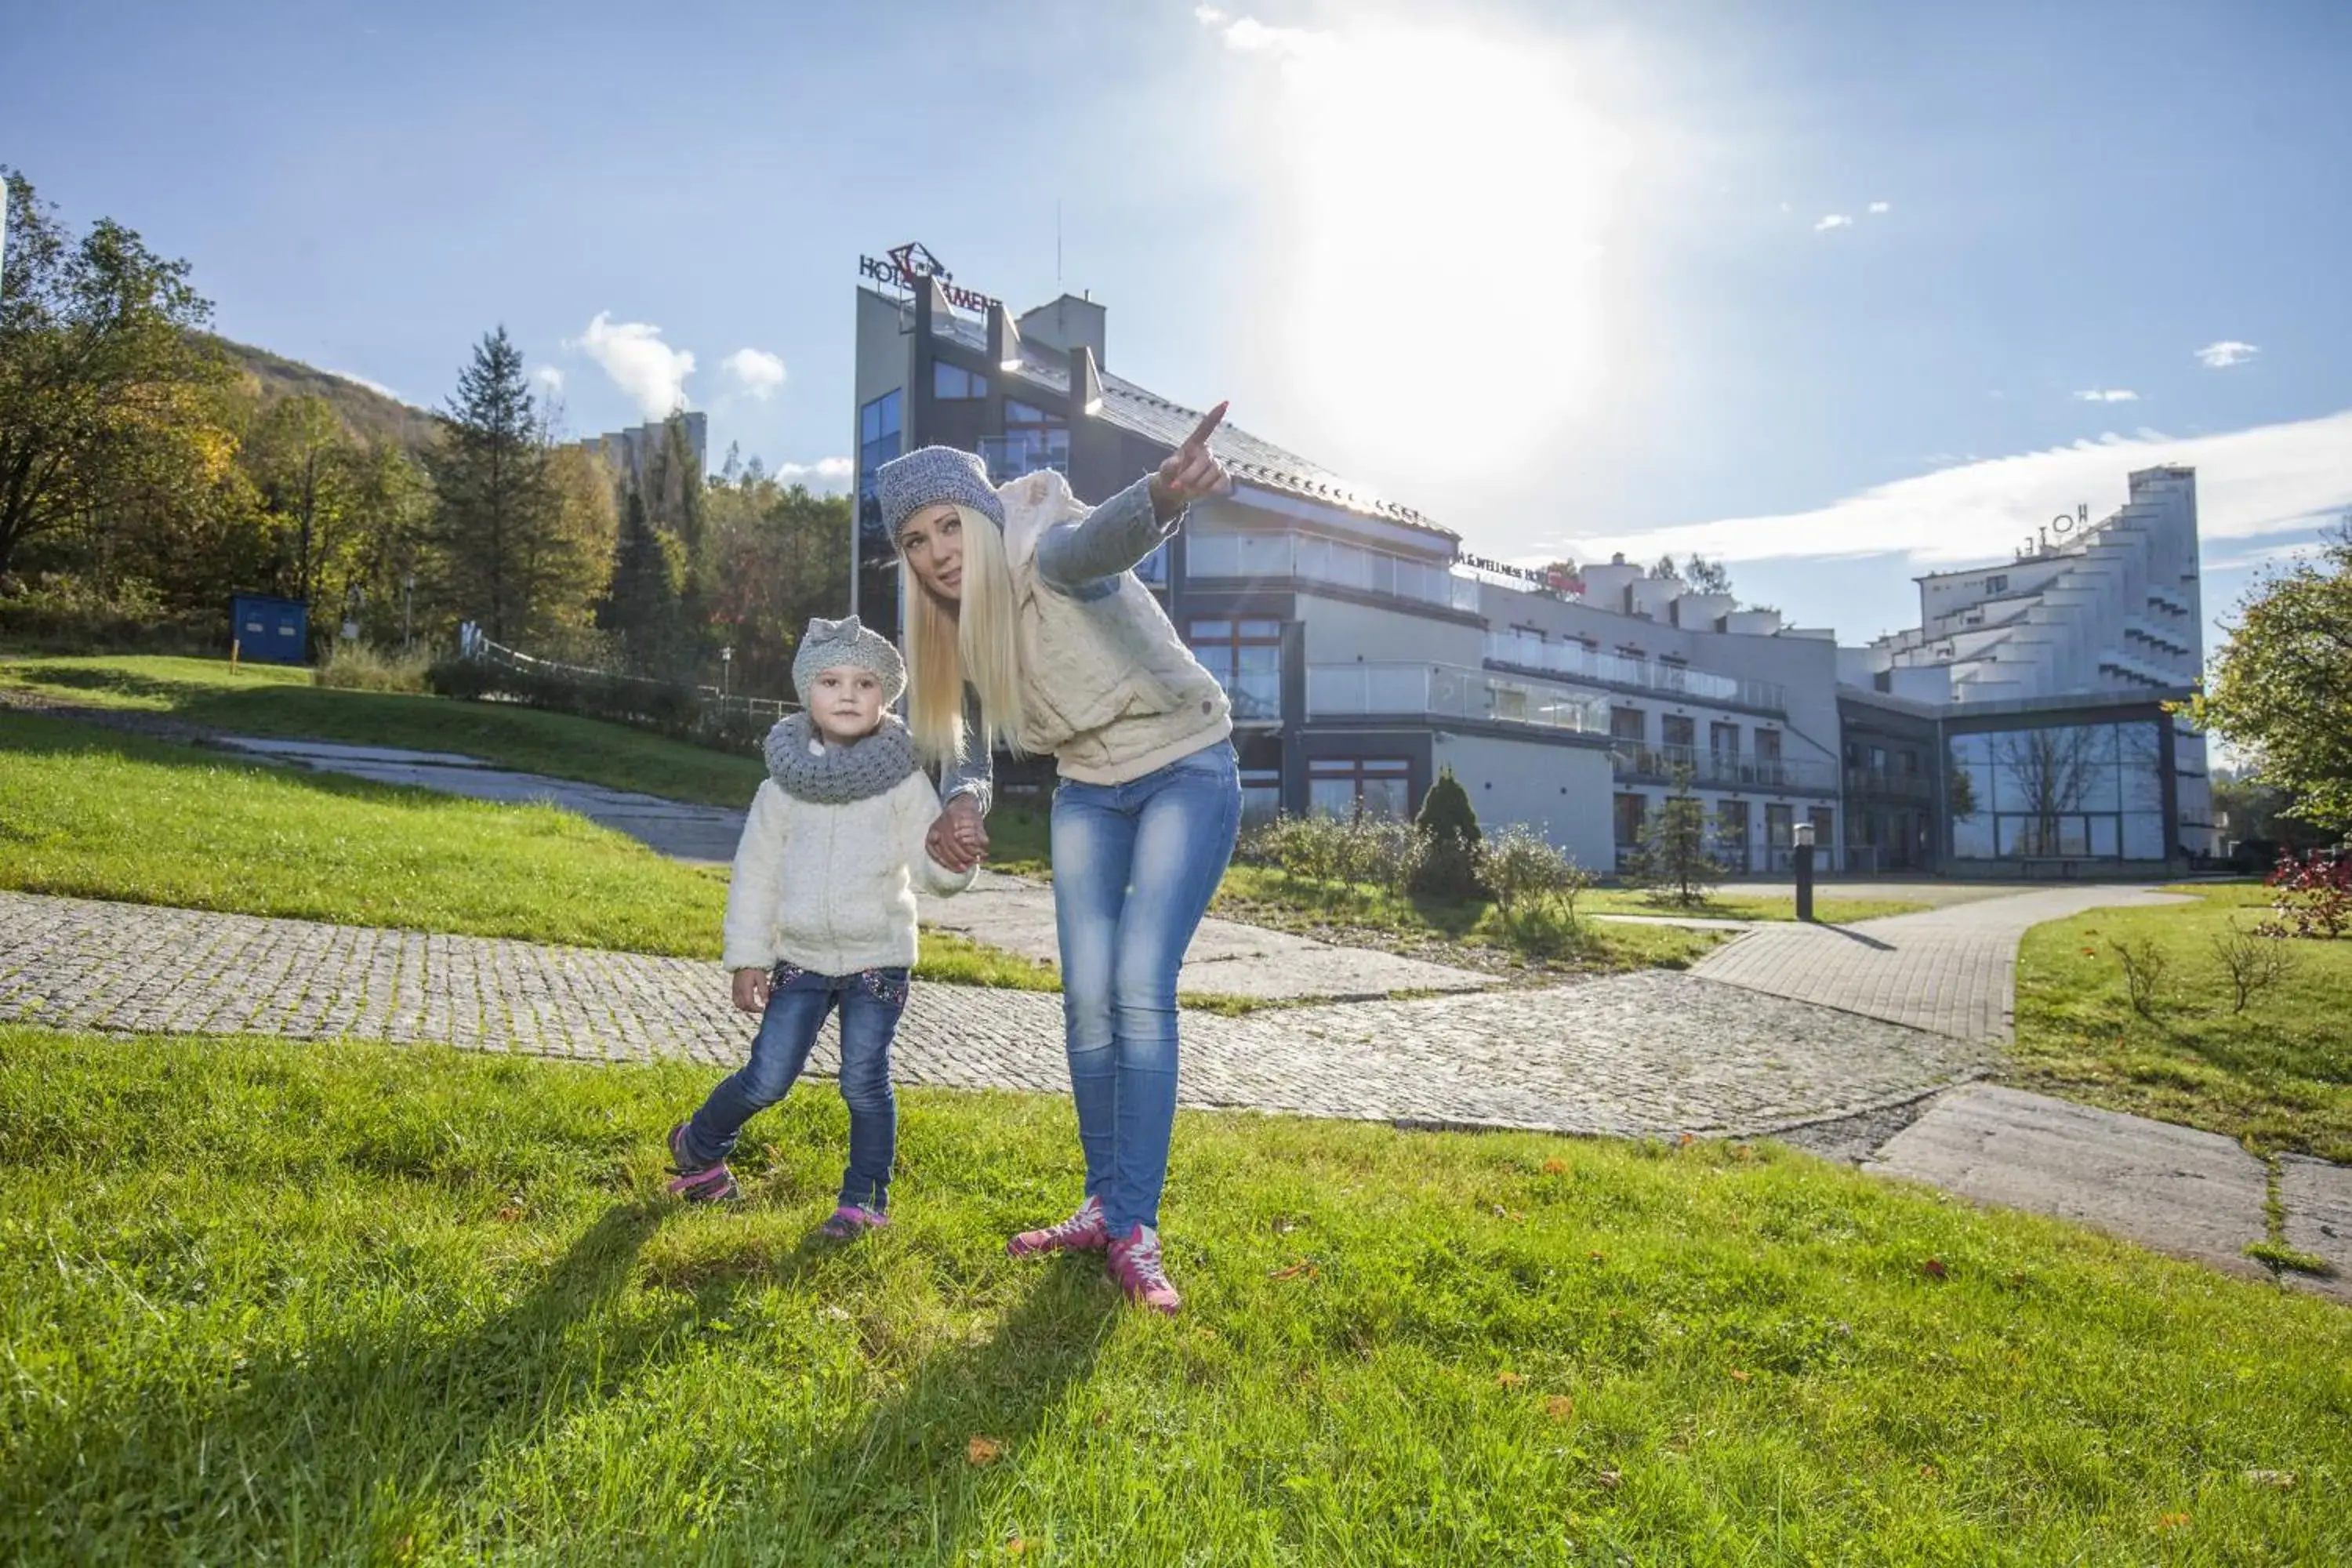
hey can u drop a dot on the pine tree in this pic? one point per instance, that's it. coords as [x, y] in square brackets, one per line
[642, 605]
[1449, 831]
[1672, 858]
[502, 549]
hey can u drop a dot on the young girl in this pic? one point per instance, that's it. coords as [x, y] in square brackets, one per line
[822, 914]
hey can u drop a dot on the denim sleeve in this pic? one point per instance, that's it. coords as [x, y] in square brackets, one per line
[973, 773]
[1107, 541]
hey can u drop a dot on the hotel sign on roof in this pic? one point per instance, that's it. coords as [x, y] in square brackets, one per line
[908, 265]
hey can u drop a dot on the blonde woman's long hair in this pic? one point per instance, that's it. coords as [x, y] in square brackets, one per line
[973, 641]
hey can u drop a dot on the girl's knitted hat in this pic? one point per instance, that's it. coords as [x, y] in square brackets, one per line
[830, 644]
[930, 475]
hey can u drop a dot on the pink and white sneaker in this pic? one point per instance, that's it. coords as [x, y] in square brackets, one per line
[1135, 1267]
[851, 1221]
[1084, 1231]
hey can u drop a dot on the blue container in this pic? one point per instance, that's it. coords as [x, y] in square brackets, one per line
[275, 631]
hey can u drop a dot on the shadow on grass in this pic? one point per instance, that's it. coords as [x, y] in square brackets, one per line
[363, 1440]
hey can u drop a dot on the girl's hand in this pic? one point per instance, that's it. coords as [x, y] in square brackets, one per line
[1191, 471]
[957, 838]
[752, 988]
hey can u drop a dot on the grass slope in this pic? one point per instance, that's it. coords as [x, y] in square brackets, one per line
[2277, 1076]
[263, 1303]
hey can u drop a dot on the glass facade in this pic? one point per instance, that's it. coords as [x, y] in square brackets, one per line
[2090, 792]
[953, 383]
[1246, 656]
[879, 427]
[1342, 786]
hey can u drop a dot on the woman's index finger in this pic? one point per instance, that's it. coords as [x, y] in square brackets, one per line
[1207, 426]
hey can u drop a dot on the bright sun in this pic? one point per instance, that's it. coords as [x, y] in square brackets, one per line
[1445, 205]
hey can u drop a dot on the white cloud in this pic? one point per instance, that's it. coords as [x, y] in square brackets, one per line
[756, 370]
[2270, 480]
[1248, 35]
[2113, 395]
[1833, 220]
[1881, 208]
[379, 388]
[2225, 353]
[826, 474]
[640, 363]
[549, 376]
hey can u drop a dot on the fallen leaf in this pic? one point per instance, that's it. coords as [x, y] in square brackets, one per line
[1511, 1379]
[1014, 1546]
[1297, 1271]
[1559, 1407]
[1929, 1472]
[2090, 953]
[511, 1213]
[1611, 1479]
[1599, 1258]
[1739, 1376]
[1555, 1167]
[2172, 1520]
[2277, 1480]
[1934, 1269]
[1687, 1139]
[982, 1451]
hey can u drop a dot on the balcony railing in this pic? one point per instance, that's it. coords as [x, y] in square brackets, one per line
[1448, 692]
[1883, 781]
[1526, 652]
[1718, 769]
[1297, 557]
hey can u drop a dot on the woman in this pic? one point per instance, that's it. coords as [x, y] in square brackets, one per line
[1029, 598]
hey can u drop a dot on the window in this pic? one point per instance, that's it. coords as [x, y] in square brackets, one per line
[1628, 724]
[878, 426]
[1261, 795]
[1245, 656]
[1723, 742]
[953, 383]
[1779, 822]
[1630, 810]
[1731, 833]
[1679, 729]
[1033, 440]
[1997, 584]
[1343, 787]
[1768, 745]
[2088, 791]
[1824, 821]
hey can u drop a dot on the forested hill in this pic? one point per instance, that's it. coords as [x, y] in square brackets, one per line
[368, 413]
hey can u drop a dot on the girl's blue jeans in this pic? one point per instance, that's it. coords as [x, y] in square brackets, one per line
[1134, 868]
[870, 1002]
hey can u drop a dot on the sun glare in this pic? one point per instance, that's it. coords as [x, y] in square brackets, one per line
[1446, 205]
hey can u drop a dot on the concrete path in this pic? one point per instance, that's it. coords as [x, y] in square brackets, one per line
[1227, 958]
[1951, 970]
[1645, 1054]
[2173, 1189]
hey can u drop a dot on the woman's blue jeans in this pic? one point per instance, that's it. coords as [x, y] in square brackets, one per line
[1134, 868]
[870, 1002]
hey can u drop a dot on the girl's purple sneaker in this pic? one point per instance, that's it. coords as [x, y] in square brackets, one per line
[851, 1220]
[699, 1183]
[1085, 1231]
[1135, 1267]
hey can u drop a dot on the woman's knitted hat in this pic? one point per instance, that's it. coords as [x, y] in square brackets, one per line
[830, 644]
[928, 476]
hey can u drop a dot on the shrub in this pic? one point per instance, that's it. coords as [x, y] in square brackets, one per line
[2253, 960]
[1535, 887]
[356, 667]
[669, 708]
[1449, 838]
[1337, 853]
[2311, 896]
[2145, 965]
[56, 612]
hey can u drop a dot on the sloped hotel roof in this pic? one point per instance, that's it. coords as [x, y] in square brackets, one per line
[1249, 458]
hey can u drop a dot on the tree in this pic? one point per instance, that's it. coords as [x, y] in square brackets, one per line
[1670, 858]
[1450, 836]
[1665, 568]
[497, 530]
[642, 606]
[106, 394]
[302, 461]
[778, 555]
[2281, 688]
[1706, 576]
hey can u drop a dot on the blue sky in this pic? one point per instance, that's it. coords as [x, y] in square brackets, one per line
[1822, 287]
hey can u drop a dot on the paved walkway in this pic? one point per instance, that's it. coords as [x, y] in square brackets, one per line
[1650, 1053]
[1951, 970]
[1225, 958]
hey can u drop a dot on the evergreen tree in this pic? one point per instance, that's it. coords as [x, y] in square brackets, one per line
[498, 528]
[1670, 858]
[1449, 831]
[641, 607]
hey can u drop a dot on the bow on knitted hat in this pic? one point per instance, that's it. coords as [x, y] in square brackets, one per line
[834, 645]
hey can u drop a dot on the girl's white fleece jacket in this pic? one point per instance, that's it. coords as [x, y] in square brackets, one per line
[831, 888]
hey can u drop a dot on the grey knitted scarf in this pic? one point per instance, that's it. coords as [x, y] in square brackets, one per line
[838, 774]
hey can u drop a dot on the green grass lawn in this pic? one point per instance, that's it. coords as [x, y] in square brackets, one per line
[1738, 902]
[262, 1302]
[279, 700]
[92, 812]
[2277, 1076]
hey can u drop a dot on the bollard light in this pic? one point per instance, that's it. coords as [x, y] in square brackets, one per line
[1804, 867]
